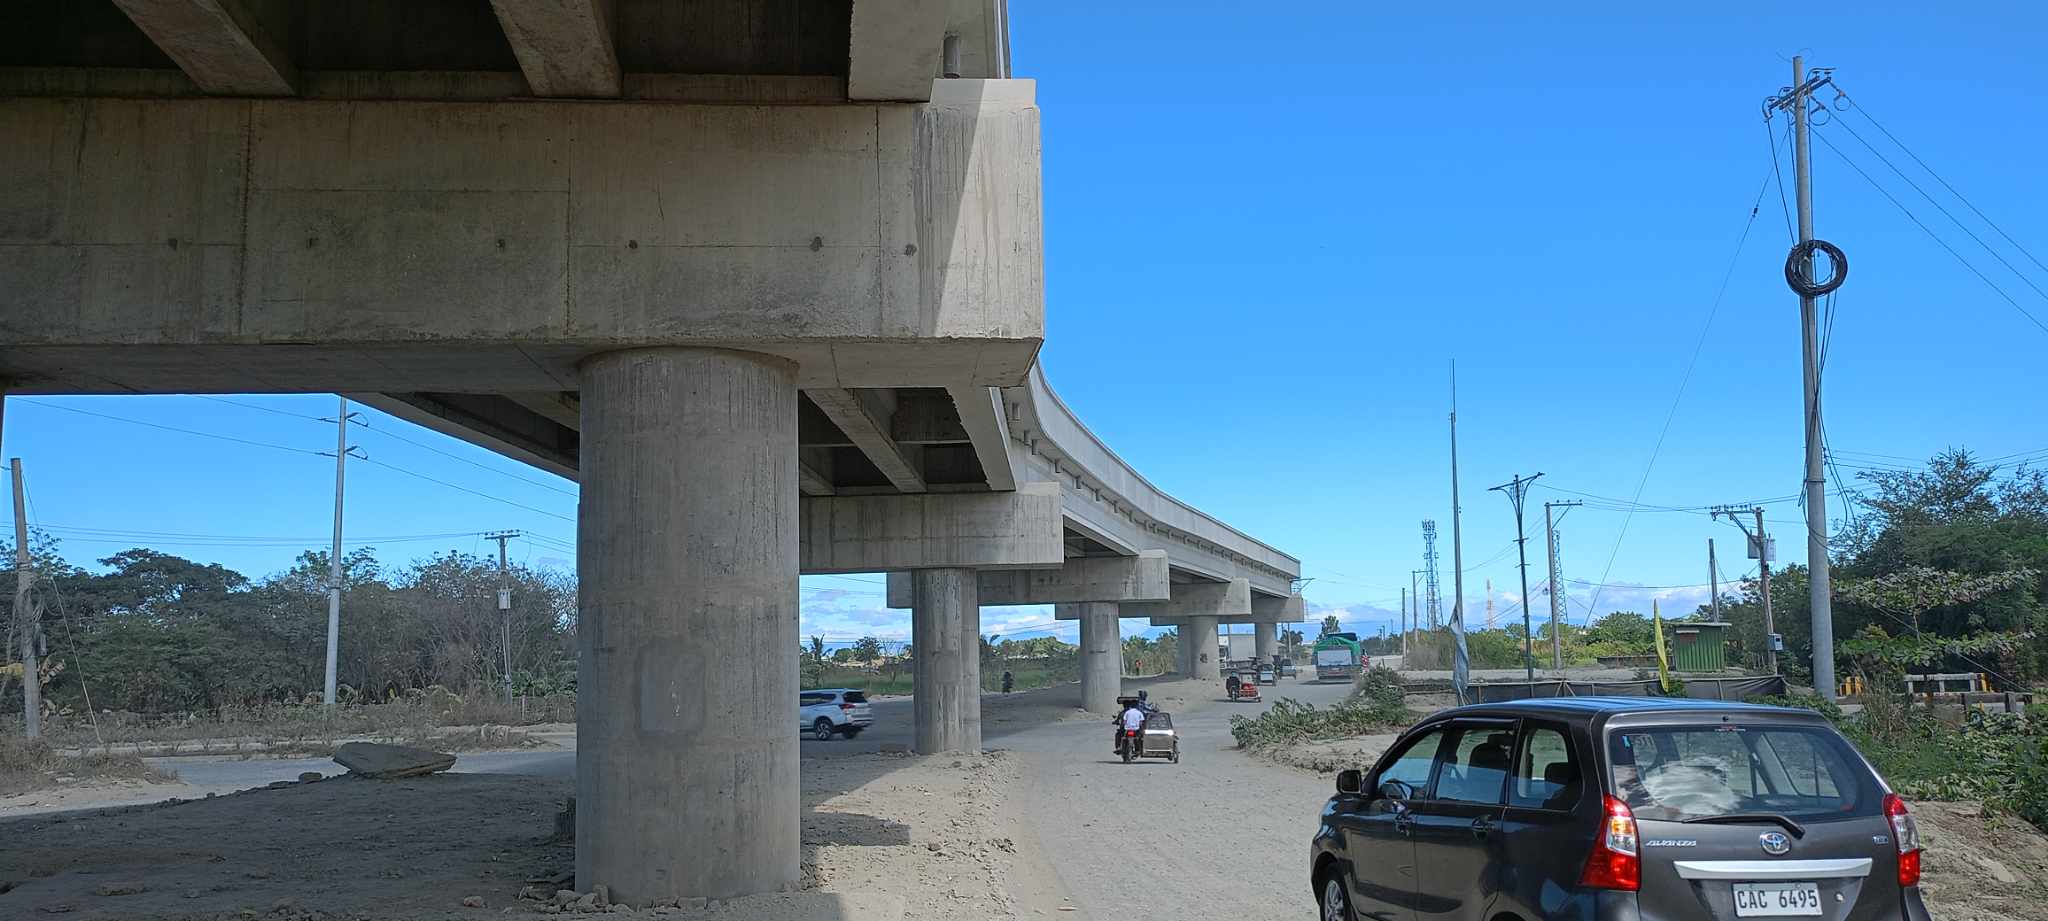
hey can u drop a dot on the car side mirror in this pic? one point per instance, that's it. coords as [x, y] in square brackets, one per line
[1350, 782]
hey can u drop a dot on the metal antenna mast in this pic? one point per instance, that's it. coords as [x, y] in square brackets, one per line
[1799, 273]
[1516, 489]
[1550, 539]
[1432, 601]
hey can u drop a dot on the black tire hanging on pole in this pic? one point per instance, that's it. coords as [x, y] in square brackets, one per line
[1799, 261]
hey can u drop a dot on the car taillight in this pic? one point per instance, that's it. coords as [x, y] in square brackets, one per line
[1615, 862]
[1906, 834]
[845, 706]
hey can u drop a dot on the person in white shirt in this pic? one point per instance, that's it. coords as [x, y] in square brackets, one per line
[1131, 720]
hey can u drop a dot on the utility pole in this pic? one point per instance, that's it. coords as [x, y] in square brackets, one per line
[1796, 99]
[1760, 550]
[1404, 621]
[1714, 582]
[504, 605]
[1414, 622]
[25, 618]
[341, 451]
[1550, 537]
[1461, 663]
[1516, 489]
[1432, 607]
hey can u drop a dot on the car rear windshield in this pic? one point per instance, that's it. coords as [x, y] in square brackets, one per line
[856, 697]
[1675, 773]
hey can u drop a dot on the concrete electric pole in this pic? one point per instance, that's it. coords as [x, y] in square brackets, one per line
[1461, 666]
[25, 618]
[1799, 273]
[504, 605]
[1515, 490]
[341, 450]
[1714, 582]
[1550, 538]
[1761, 550]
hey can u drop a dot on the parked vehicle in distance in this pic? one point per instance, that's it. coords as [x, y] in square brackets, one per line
[827, 712]
[1617, 809]
[1267, 675]
[1288, 669]
[1339, 656]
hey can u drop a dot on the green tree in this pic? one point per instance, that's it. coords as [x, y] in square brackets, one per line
[1330, 625]
[868, 649]
[814, 660]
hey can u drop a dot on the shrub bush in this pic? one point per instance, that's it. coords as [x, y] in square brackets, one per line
[1376, 704]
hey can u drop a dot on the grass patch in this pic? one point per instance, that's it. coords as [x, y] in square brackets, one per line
[1998, 759]
[433, 719]
[31, 764]
[1376, 705]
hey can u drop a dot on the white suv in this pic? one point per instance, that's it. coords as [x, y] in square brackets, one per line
[833, 711]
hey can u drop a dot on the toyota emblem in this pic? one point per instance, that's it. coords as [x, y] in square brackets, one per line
[1775, 843]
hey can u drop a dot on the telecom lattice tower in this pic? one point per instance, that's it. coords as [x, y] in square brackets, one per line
[1433, 605]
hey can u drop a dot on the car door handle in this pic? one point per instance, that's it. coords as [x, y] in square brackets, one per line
[1480, 827]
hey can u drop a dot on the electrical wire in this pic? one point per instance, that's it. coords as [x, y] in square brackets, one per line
[1698, 346]
[1859, 109]
[172, 428]
[1881, 190]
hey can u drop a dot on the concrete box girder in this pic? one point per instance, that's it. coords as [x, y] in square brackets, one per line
[300, 245]
[1098, 579]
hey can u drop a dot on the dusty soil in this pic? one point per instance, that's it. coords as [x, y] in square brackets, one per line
[883, 835]
[1981, 869]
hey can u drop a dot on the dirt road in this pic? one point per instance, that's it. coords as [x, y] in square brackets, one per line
[1218, 835]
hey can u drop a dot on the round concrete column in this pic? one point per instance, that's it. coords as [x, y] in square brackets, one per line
[1102, 658]
[686, 762]
[1266, 641]
[945, 642]
[1202, 633]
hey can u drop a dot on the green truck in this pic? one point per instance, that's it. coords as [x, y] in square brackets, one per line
[1338, 656]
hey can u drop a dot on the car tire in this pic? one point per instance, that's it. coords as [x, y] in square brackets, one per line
[1333, 904]
[822, 730]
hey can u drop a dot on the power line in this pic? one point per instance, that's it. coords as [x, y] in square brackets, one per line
[1881, 190]
[481, 495]
[1859, 109]
[171, 428]
[1699, 345]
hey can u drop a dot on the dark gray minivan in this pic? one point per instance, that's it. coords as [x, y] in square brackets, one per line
[1617, 809]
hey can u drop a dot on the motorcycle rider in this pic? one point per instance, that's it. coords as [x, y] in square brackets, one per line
[1232, 684]
[1131, 720]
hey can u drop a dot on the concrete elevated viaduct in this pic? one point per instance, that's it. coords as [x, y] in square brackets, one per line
[763, 275]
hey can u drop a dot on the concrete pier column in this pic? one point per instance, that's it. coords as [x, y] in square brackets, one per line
[1102, 658]
[1266, 642]
[945, 642]
[686, 762]
[1201, 633]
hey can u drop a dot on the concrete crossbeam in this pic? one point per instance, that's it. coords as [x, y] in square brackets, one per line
[1008, 530]
[1232, 599]
[220, 44]
[895, 49]
[1081, 579]
[489, 247]
[564, 46]
[1266, 609]
[864, 418]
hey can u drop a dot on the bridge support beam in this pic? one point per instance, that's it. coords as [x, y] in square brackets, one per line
[1102, 653]
[1266, 641]
[1080, 580]
[686, 780]
[945, 643]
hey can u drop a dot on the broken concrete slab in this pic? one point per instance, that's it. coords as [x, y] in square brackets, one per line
[385, 762]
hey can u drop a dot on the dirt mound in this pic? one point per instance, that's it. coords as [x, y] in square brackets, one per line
[1981, 868]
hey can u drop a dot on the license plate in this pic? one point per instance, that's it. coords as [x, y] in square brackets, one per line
[1776, 900]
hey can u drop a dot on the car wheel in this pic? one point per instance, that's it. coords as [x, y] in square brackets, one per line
[1335, 906]
[822, 730]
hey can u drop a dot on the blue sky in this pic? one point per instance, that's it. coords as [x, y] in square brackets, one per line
[1270, 228]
